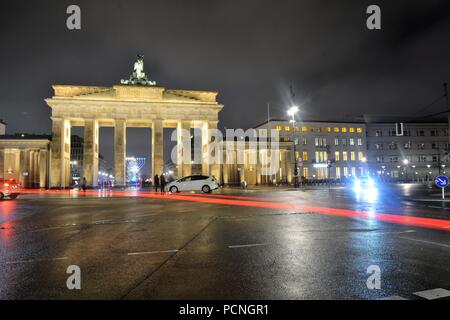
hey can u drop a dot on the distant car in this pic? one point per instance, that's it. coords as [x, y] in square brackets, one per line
[9, 189]
[364, 184]
[193, 183]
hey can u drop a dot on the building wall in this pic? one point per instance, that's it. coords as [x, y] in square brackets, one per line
[2, 128]
[326, 149]
[25, 160]
[424, 146]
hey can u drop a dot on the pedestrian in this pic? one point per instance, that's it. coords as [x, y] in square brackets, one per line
[163, 183]
[83, 186]
[156, 182]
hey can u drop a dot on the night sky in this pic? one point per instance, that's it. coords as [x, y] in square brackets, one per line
[250, 51]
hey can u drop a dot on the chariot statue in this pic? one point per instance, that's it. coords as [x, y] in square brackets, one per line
[138, 77]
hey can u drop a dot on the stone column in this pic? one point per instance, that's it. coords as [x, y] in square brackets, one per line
[184, 148]
[258, 167]
[290, 167]
[32, 170]
[215, 154]
[21, 177]
[120, 148]
[43, 154]
[25, 173]
[205, 142]
[157, 148]
[60, 161]
[2, 164]
[90, 153]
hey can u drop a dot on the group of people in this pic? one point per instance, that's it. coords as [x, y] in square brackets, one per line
[159, 182]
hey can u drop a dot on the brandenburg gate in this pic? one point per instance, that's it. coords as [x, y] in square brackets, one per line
[136, 102]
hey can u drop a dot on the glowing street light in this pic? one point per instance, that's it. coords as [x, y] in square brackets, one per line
[406, 162]
[364, 160]
[292, 111]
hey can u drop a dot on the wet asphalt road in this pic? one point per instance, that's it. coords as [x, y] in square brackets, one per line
[235, 245]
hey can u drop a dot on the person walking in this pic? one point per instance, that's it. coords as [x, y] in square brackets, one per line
[156, 182]
[83, 186]
[163, 183]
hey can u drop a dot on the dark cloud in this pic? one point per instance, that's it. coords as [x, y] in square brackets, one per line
[250, 51]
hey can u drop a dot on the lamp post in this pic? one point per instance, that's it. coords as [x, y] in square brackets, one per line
[292, 112]
[406, 162]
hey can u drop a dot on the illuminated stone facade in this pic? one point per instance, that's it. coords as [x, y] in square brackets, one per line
[121, 107]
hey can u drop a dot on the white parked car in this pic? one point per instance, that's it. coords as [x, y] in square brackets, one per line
[193, 183]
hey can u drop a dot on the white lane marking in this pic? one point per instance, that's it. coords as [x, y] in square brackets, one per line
[145, 215]
[102, 221]
[151, 252]
[427, 242]
[36, 260]
[433, 294]
[397, 232]
[247, 245]
[394, 298]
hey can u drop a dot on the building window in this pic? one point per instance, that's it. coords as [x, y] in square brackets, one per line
[278, 128]
[336, 141]
[287, 128]
[304, 141]
[337, 156]
[296, 128]
[304, 129]
[353, 171]
[378, 133]
[311, 129]
[359, 142]
[421, 146]
[319, 130]
[338, 172]
[433, 146]
[434, 133]
[420, 133]
[435, 159]
[360, 155]
[378, 146]
[352, 155]
[380, 159]
[407, 145]
[352, 141]
[352, 130]
[422, 158]
[344, 142]
[345, 172]
[344, 155]
[393, 146]
[393, 159]
[306, 172]
[328, 129]
[336, 130]
[321, 156]
[359, 130]
[344, 130]
[297, 154]
[305, 155]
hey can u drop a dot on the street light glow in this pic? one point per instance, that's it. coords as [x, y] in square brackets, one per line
[406, 162]
[292, 110]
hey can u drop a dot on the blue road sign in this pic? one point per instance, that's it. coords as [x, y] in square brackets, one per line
[441, 181]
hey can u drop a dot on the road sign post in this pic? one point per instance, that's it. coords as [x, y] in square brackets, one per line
[442, 182]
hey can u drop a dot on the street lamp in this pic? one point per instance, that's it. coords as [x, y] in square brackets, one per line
[292, 112]
[406, 162]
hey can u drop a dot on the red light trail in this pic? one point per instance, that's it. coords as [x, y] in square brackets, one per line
[255, 202]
